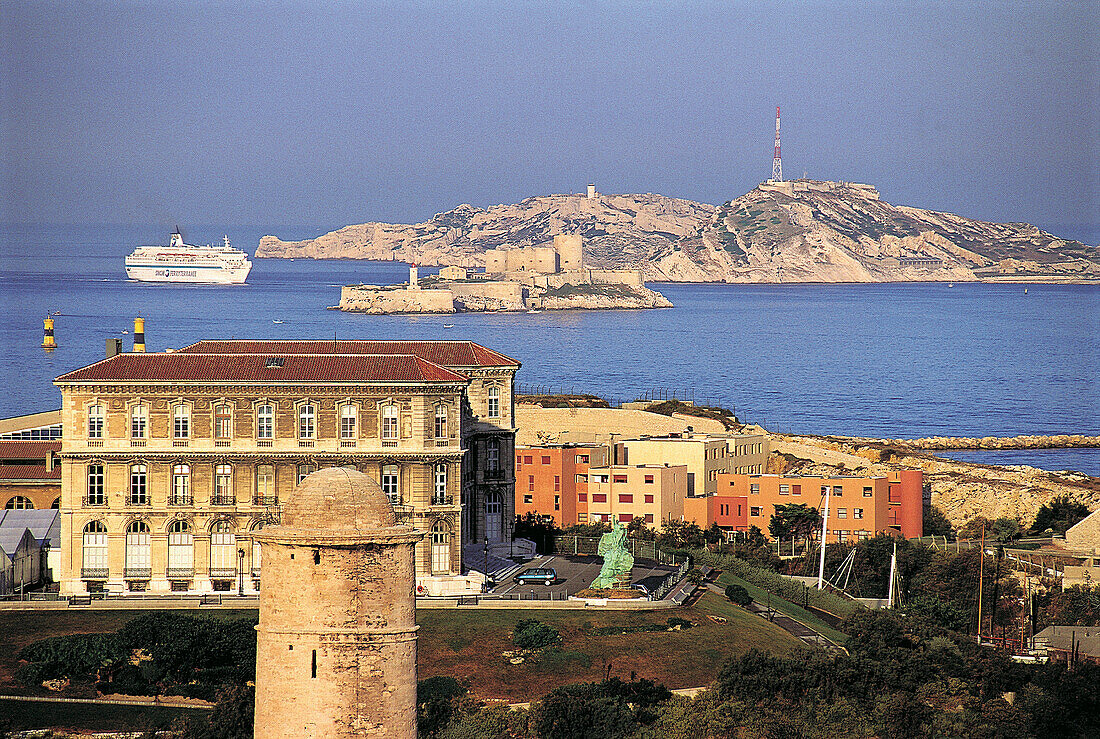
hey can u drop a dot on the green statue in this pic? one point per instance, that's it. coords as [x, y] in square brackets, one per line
[617, 561]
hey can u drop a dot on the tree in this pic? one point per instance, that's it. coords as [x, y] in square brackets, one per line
[737, 594]
[1058, 515]
[1005, 529]
[794, 520]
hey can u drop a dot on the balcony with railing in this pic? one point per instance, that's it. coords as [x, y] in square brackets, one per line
[256, 572]
[443, 500]
[223, 573]
[180, 443]
[94, 573]
[180, 500]
[135, 501]
[222, 443]
[94, 501]
[137, 573]
[179, 573]
[265, 500]
[223, 500]
[495, 474]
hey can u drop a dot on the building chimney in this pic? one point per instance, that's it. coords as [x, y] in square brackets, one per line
[591, 191]
[114, 347]
[139, 334]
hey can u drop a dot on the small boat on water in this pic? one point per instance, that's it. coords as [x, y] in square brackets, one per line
[276, 320]
[180, 262]
[448, 325]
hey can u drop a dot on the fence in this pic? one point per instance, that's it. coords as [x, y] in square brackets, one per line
[639, 549]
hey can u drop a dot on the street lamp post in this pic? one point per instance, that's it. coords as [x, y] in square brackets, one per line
[240, 572]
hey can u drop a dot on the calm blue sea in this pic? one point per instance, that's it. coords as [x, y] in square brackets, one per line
[894, 361]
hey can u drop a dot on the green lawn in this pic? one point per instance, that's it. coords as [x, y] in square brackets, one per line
[468, 645]
[784, 606]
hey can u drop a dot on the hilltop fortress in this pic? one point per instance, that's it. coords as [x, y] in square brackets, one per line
[516, 278]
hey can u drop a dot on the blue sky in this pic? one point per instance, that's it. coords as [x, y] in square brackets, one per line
[259, 113]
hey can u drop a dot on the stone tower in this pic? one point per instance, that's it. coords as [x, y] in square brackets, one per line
[570, 249]
[336, 642]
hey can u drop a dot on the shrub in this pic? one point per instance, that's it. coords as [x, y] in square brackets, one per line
[533, 634]
[683, 623]
[737, 594]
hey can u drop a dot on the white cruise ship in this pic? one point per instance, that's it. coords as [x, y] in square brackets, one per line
[180, 262]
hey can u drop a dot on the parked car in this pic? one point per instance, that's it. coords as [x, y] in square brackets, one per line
[545, 575]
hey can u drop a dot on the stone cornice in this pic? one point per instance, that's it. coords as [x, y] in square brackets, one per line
[175, 388]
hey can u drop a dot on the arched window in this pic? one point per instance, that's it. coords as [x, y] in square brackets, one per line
[96, 416]
[349, 421]
[138, 555]
[95, 550]
[56, 503]
[181, 485]
[441, 547]
[439, 496]
[223, 550]
[307, 421]
[391, 482]
[97, 484]
[389, 421]
[265, 421]
[139, 494]
[20, 502]
[139, 421]
[181, 550]
[441, 421]
[223, 485]
[181, 422]
[223, 422]
[494, 402]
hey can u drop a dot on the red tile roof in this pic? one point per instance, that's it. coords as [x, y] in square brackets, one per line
[20, 449]
[29, 472]
[322, 368]
[445, 353]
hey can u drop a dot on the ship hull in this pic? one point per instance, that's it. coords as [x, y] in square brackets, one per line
[198, 274]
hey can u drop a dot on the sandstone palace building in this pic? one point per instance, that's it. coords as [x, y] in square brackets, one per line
[172, 462]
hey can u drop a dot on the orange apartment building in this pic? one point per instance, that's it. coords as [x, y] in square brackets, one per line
[550, 479]
[652, 492]
[859, 507]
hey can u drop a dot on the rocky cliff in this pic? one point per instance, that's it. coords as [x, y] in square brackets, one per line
[796, 231]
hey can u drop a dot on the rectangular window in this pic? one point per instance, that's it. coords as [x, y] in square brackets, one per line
[391, 482]
[181, 422]
[649, 479]
[530, 482]
[868, 492]
[545, 459]
[441, 422]
[138, 488]
[581, 479]
[557, 483]
[582, 497]
[138, 421]
[349, 421]
[223, 422]
[857, 513]
[754, 488]
[304, 471]
[265, 422]
[582, 516]
[842, 513]
[626, 517]
[528, 499]
[440, 482]
[582, 459]
[824, 489]
[620, 479]
[494, 402]
[649, 518]
[796, 489]
[600, 478]
[527, 459]
[557, 502]
[599, 498]
[626, 498]
[492, 456]
[265, 484]
[95, 422]
[223, 484]
[784, 489]
[389, 422]
[755, 510]
[838, 490]
[649, 499]
[97, 488]
[519, 460]
[307, 421]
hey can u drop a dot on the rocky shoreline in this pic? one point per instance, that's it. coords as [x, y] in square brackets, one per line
[937, 443]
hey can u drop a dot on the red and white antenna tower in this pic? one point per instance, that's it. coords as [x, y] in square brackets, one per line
[777, 161]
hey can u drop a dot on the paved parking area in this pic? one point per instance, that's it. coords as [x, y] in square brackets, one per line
[577, 573]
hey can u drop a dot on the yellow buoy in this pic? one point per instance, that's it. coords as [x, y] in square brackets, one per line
[139, 334]
[47, 337]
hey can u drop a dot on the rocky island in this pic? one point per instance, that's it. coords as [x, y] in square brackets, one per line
[789, 231]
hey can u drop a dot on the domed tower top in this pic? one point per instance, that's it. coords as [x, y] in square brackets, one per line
[338, 500]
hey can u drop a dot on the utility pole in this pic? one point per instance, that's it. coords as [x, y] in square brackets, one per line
[824, 531]
[893, 574]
